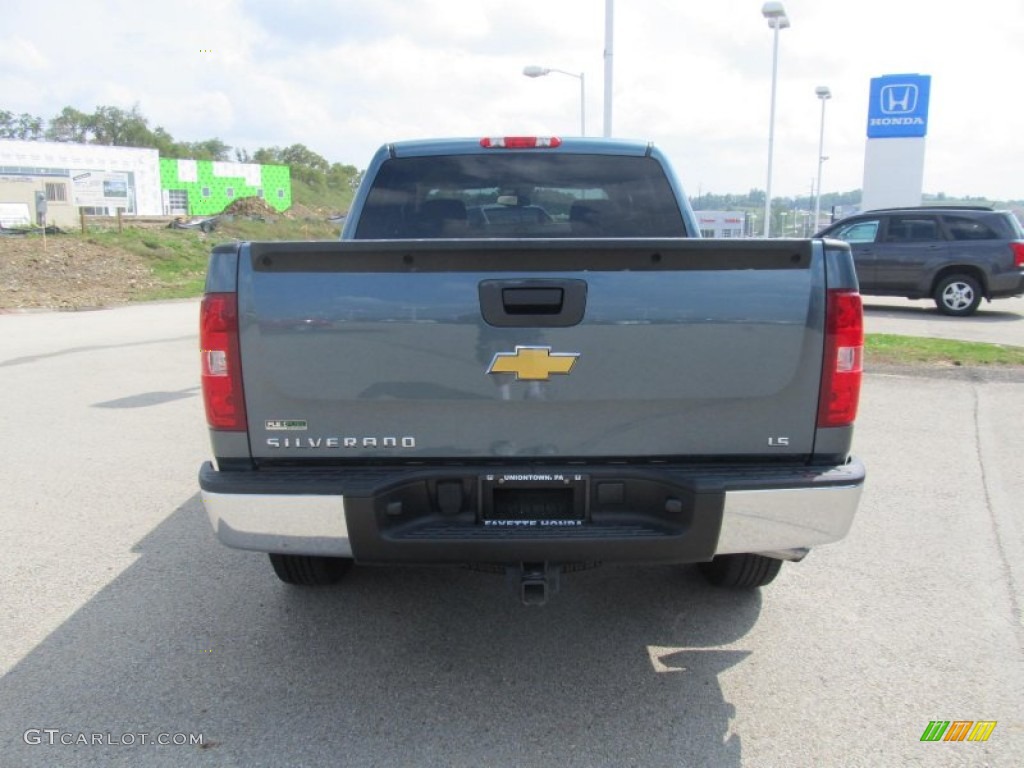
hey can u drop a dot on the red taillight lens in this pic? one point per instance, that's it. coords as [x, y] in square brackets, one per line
[1018, 253]
[221, 362]
[844, 359]
[519, 142]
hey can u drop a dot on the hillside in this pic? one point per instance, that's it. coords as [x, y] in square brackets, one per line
[146, 261]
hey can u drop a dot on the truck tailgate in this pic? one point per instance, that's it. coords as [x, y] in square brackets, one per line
[606, 349]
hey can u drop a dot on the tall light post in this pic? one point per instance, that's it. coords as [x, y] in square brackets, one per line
[534, 71]
[609, 34]
[777, 19]
[824, 94]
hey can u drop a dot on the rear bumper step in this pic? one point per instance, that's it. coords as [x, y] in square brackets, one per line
[458, 515]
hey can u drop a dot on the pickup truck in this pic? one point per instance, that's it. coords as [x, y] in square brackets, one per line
[520, 357]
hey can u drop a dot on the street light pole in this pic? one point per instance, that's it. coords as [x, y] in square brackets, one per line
[534, 71]
[609, 34]
[824, 94]
[583, 105]
[777, 19]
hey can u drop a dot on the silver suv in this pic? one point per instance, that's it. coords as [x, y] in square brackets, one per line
[954, 255]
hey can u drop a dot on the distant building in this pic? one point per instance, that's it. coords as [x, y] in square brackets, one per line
[99, 180]
[205, 187]
[722, 223]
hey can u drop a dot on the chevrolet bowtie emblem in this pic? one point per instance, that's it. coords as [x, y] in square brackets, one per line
[533, 363]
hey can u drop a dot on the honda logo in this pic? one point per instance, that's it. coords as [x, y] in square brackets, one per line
[898, 106]
[899, 99]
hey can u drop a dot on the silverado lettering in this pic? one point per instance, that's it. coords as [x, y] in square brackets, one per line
[341, 442]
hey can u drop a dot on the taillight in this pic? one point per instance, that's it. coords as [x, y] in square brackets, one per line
[843, 365]
[221, 362]
[1018, 253]
[519, 142]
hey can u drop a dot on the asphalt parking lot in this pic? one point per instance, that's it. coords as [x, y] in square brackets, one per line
[123, 617]
[996, 322]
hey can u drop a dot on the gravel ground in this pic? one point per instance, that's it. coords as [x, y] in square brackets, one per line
[67, 274]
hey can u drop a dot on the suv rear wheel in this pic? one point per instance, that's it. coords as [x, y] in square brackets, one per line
[309, 570]
[957, 295]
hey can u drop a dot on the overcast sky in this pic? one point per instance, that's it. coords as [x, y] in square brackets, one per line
[344, 76]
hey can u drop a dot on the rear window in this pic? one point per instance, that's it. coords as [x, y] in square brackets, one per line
[1015, 226]
[527, 194]
[913, 229]
[969, 228]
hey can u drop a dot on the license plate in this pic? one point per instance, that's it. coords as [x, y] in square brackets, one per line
[533, 499]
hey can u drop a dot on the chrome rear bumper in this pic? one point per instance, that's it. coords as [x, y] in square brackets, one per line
[778, 522]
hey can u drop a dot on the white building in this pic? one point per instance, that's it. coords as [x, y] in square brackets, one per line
[96, 178]
[722, 223]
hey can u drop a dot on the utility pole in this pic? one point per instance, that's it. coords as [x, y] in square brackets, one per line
[609, 17]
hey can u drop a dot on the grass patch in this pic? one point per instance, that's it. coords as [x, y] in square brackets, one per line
[321, 199]
[279, 229]
[186, 288]
[888, 349]
[178, 257]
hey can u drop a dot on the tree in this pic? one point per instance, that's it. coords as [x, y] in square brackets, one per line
[70, 125]
[301, 155]
[343, 176]
[305, 164]
[116, 127]
[210, 149]
[267, 156]
[6, 124]
[216, 148]
[25, 126]
[165, 144]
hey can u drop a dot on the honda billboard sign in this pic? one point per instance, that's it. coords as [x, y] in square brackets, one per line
[898, 106]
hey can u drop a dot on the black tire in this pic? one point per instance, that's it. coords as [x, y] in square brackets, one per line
[741, 571]
[957, 295]
[309, 570]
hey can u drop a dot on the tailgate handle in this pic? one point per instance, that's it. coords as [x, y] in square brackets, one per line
[533, 302]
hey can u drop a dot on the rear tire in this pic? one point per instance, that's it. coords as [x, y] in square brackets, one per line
[309, 570]
[743, 571]
[957, 295]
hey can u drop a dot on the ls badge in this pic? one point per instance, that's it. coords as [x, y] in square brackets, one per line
[533, 363]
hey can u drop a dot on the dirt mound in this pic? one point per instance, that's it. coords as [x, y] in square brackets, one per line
[68, 273]
[250, 206]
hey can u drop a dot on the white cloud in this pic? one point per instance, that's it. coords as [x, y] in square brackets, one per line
[20, 55]
[342, 77]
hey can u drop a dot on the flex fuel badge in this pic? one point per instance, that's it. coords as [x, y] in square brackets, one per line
[286, 425]
[533, 363]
